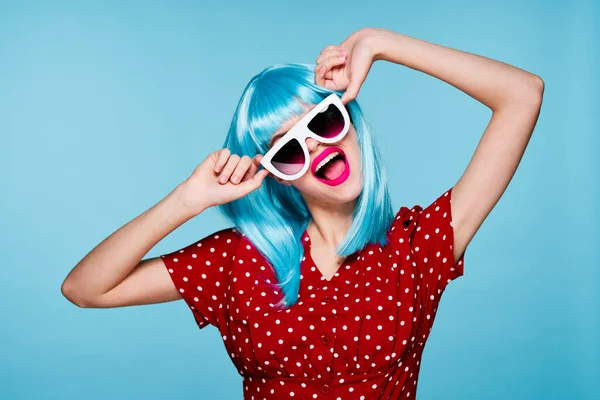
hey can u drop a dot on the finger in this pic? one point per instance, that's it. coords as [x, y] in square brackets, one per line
[331, 53]
[251, 170]
[258, 159]
[240, 169]
[349, 95]
[327, 48]
[253, 167]
[255, 182]
[359, 74]
[333, 61]
[319, 79]
[229, 167]
[327, 65]
[221, 159]
[352, 91]
[325, 68]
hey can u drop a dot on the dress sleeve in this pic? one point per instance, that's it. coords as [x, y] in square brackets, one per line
[431, 238]
[200, 271]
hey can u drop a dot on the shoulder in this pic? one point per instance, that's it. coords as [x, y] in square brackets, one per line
[224, 240]
[229, 237]
[418, 218]
[405, 221]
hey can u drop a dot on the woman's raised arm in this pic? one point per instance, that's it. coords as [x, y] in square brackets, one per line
[116, 261]
[112, 275]
[513, 95]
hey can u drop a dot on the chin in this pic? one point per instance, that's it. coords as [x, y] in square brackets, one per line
[346, 192]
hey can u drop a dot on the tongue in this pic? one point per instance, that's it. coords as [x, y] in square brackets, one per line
[334, 169]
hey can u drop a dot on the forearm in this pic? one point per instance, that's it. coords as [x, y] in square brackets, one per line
[115, 257]
[493, 83]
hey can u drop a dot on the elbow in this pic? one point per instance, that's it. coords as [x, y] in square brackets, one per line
[536, 91]
[527, 96]
[69, 291]
[539, 84]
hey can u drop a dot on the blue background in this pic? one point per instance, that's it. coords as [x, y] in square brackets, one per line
[106, 106]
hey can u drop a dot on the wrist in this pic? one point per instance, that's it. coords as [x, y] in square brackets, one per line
[179, 201]
[382, 41]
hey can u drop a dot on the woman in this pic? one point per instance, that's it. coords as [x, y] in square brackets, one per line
[319, 290]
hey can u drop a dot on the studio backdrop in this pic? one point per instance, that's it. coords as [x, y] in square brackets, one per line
[105, 107]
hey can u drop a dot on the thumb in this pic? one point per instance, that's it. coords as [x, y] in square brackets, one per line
[359, 74]
[352, 90]
[350, 93]
[255, 182]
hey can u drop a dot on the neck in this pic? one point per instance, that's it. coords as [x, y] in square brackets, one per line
[330, 222]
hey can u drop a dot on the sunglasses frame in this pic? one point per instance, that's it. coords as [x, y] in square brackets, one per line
[300, 132]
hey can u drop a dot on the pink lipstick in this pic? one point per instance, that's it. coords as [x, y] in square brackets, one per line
[343, 176]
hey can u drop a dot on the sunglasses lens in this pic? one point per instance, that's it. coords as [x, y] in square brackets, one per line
[328, 123]
[289, 159]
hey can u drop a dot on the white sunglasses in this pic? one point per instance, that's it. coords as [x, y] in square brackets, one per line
[327, 122]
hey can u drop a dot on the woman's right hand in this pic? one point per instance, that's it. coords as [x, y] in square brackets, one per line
[239, 175]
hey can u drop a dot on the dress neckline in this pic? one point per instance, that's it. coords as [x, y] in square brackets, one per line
[307, 243]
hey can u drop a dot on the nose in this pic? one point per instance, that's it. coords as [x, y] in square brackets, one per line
[311, 144]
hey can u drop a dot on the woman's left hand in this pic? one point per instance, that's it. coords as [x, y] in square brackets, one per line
[345, 67]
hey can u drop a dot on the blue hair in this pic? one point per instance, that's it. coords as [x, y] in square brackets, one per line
[275, 216]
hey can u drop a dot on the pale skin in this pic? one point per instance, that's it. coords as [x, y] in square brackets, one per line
[114, 274]
[330, 208]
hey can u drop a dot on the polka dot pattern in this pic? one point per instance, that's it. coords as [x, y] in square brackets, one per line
[359, 335]
[201, 272]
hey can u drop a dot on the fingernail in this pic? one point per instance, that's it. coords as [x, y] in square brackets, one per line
[235, 179]
[222, 179]
[342, 58]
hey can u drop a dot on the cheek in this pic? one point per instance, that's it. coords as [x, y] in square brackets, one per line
[353, 151]
[351, 139]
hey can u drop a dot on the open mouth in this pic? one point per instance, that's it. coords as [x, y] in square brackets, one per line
[333, 169]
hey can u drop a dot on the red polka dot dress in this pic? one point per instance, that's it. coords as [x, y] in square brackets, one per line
[359, 335]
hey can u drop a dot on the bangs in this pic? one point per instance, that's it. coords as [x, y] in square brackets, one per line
[276, 97]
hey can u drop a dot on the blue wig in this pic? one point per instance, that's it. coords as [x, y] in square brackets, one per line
[275, 216]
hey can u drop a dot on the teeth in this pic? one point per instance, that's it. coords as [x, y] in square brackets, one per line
[326, 160]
